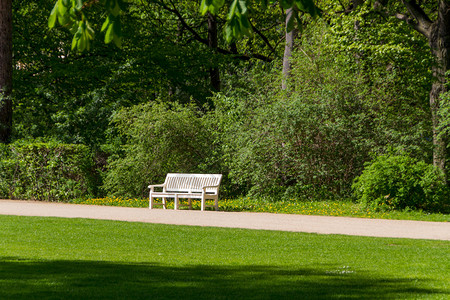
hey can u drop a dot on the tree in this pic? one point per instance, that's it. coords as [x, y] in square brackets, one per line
[291, 35]
[432, 21]
[5, 70]
[437, 33]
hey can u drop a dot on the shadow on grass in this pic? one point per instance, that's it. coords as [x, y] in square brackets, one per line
[25, 279]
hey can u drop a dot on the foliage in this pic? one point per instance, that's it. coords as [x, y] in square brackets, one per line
[159, 138]
[274, 146]
[314, 139]
[46, 171]
[394, 62]
[70, 97]
[73, 15]
[400, 182]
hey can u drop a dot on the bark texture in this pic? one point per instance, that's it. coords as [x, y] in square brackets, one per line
[214, 73]
[5, 70]
[439, 40]
[289, 46]
[437, 33]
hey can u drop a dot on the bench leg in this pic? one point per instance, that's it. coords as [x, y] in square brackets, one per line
[150, 201]
[175, 203]
[203, 203]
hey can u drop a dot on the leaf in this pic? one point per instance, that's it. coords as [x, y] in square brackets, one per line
[242, 7]
[115, 11]
[118, 41]
[308, 6]
[105, 24]
[117, 27]
[53, 15]
[74, 42]
[109, 36]
[245, 26]
[244, 22]
[62, 9]
[89, 31]
[203, 7]
[79, 5]
[74, 28]
[232, 10]
[122, 5]
[63, 19]
[229, 33]
[286, 3]
[299, 23]
[82, 43]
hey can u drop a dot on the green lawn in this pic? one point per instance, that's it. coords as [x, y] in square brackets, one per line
[53, 258]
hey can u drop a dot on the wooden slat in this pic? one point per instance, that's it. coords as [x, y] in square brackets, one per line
[191, 182]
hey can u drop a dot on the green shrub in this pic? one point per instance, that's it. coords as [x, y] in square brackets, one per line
[313, 139]
[46, 171]
[400, 182]
[159, 139]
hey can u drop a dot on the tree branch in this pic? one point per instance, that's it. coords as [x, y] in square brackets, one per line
[263, 37]
[422, 22]
[197, 36]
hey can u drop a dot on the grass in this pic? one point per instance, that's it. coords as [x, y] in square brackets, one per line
[56, 258]
[326, 208]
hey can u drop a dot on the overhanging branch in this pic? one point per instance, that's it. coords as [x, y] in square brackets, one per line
[422, 22]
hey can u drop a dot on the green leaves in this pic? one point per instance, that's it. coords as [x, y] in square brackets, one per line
[237, 20]
[61, 12]
[113, 30]
[400, 182]
[212, 6]
[70, 14]
[238, 23]
[83, 36]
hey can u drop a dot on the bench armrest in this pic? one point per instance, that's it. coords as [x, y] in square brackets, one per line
[152, 187]
[210, 187]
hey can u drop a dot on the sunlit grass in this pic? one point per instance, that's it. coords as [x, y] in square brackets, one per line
[321, 208]
[60, 258]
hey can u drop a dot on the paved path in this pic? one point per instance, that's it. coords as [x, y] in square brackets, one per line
[265, 221]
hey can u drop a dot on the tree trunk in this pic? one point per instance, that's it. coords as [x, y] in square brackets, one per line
[5, 70]
[289, 46]
[439, 41]
[212, 43]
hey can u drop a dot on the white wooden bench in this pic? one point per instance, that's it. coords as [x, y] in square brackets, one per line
[187, 186]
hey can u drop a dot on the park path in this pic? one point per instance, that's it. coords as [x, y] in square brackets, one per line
[261, 221]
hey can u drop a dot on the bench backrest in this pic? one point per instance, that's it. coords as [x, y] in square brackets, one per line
[192, 183]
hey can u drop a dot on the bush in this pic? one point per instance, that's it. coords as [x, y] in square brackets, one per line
[400, 182]
[313, 139]
[46, 171]
[159, 139]
[308, 142]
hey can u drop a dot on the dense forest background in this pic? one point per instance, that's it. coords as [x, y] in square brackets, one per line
[337, 107]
